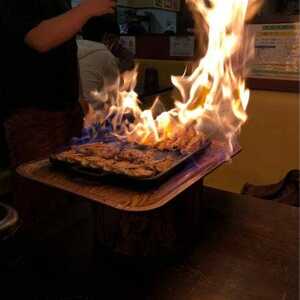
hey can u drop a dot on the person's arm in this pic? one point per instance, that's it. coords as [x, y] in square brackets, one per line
[53, 32]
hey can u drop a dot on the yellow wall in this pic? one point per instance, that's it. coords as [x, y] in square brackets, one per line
[270, 139]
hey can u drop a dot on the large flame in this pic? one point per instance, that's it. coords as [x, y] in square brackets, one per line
[213, 97]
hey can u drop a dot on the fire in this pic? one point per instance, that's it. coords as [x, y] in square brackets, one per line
[214, 97]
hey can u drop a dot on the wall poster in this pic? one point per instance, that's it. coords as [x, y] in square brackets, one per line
[277, 51]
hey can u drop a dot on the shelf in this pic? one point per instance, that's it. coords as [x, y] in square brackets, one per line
[170, 5]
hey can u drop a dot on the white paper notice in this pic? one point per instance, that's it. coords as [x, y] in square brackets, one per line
[182, 46]
[277, 51]
[129, 43]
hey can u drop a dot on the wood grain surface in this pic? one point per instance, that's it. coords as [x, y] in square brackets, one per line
[127, 197]
[247, 249]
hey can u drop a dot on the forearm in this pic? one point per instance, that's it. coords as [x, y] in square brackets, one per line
[54, 32]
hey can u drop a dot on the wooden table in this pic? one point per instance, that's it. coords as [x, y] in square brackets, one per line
[247, 250]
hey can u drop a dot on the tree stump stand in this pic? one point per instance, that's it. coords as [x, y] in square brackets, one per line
[160, 232]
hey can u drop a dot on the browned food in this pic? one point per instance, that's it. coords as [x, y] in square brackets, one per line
[133, 170]
[148, 158]
[103, 150]
[71, 156]
[96, 162]
[193, 144]
[121, 167]
[163, 165]
[136, 155]
[126, 165]
[186, 141]
[131, 155]
[130, 160]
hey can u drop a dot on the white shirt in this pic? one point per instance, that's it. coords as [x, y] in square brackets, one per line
[99, 73]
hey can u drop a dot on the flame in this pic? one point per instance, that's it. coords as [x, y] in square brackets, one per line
[214, 97]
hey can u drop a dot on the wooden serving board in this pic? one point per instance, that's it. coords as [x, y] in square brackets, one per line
[128, 198]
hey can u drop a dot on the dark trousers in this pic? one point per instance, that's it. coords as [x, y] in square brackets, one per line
[34, 134]
[4, 160]
[58, 224]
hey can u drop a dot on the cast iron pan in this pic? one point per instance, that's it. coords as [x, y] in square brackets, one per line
[98, 174]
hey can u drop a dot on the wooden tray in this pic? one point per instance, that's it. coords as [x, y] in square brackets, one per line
[125, 197]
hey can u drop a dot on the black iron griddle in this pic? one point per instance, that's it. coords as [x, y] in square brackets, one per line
[99, 174]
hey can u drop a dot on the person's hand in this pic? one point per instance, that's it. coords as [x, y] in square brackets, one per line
[96, 8]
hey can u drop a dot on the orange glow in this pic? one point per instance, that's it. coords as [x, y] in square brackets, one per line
[213, 98]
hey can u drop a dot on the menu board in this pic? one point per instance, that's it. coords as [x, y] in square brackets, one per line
[182, 46]
[277, 51]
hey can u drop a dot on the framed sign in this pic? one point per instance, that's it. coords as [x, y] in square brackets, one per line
[276, 65]
[182, 46]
